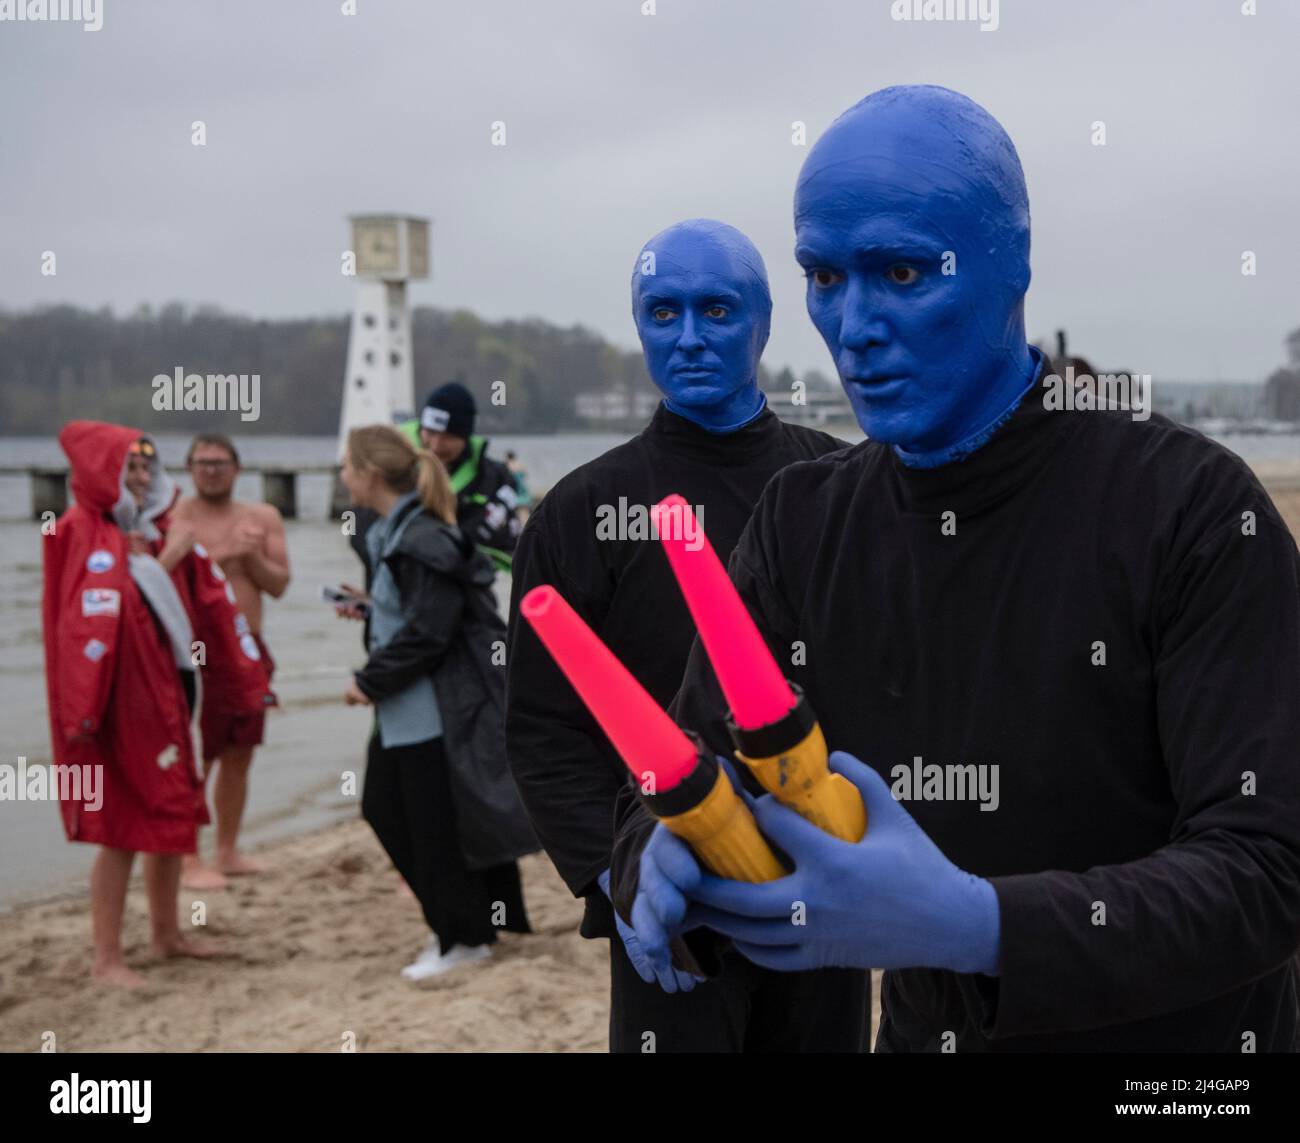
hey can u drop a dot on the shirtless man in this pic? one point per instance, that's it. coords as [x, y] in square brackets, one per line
[247, 541]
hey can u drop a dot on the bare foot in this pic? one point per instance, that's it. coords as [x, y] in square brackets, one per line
[178, 945]
[236, 865]
[118, 975]
[197, 876]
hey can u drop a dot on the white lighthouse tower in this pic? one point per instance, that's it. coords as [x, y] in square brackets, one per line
[379, 388]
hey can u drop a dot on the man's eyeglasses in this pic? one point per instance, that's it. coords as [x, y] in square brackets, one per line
[216, 464]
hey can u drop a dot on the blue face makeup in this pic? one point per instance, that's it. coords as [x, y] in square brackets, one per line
[702, 310]
[912, 226]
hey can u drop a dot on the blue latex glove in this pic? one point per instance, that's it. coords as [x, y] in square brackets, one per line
[891, 900]
[668, 871]
[670, 979]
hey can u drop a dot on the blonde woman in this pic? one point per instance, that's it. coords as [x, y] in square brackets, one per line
[438, 791]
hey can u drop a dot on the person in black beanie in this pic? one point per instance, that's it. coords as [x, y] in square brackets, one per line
[487, 501]
[486, 497]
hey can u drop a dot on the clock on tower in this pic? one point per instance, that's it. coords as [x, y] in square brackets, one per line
[389, 250]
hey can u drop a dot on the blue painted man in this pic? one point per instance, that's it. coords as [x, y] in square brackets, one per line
[1056, 653]
[702, 309]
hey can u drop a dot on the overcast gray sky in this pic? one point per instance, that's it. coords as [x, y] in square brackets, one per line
[619, 124]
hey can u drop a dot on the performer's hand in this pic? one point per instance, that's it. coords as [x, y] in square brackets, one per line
[137, 544]
[354, 695]
[891, 900]
[670, 979]
[668, 869]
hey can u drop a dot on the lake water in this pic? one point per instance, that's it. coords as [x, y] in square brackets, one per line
[313, 739]
[545, 457]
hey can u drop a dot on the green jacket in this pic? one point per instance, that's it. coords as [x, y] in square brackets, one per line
[487, 499]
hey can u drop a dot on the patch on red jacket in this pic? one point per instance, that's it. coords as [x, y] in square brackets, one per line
[100, 601]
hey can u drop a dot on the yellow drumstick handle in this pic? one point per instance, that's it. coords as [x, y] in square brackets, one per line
[707, 814]
[724, 835]
[789, 760]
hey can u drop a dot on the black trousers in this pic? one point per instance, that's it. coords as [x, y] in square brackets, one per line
[407, 801]
[745, 1009]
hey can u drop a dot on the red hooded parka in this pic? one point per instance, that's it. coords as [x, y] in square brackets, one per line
[115, 694]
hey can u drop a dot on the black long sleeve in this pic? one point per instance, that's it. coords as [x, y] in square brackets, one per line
[1104, 615]
[584, 540]
[1220, 903]
[566, 771]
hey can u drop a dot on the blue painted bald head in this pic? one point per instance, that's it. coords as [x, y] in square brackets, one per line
[702, 309]
[912, 226]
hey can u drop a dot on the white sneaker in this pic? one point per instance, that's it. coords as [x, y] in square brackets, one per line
[425, 970]
[432, 951]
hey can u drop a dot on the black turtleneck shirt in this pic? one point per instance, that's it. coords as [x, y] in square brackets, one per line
[1112, 618]
[567, 772]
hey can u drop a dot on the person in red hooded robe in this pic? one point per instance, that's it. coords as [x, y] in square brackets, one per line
[120, 687]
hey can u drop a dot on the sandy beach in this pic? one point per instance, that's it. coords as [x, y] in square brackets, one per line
[312, 950]
[1283, 484]
[312, 953]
